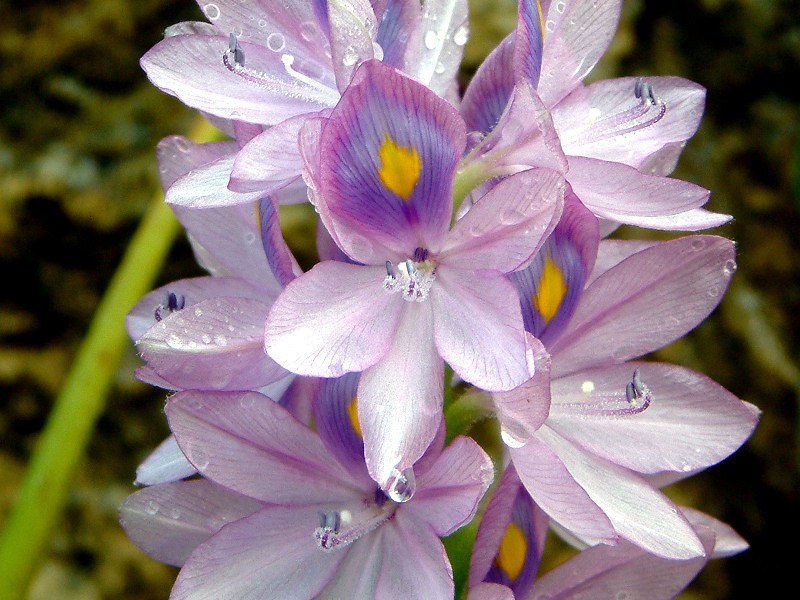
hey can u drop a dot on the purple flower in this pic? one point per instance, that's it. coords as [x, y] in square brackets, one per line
[416, 293]
[275, 64]
[615, 140]
[615, 428]
[511, 538]
[207, 332]
[279, 515]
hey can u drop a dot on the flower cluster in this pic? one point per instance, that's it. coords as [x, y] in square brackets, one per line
[465, 269]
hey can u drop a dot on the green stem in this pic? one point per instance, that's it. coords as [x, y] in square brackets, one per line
[81, 401]
[470, 174]
[464, 412]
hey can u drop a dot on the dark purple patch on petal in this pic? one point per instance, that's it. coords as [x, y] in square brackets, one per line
[388, 155]
[529, 43]
[488, 93]
[279, 256]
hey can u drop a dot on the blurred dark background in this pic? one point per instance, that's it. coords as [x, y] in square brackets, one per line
[78, 131]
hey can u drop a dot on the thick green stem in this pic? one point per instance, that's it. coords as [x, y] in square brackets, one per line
[82, 399]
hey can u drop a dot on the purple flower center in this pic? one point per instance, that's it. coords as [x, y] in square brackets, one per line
[339, 528]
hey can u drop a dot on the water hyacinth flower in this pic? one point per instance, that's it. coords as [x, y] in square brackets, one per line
[615, 140]
[279, 516]
[262, 68]
[419, 293]
[614, 425]
[510, 542]
[207, 332]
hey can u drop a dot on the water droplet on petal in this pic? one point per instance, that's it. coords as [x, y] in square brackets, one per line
[350, 56]
[198, 312]
[439, 68]
[175, 512]
[460, 36]
[400, 486]
[247, 401]
[220, 340]
[275, 41]
[431, 39]
[561, 7]
[211, 11]
[151, 508]
[698, 244]
[730, 267]
[206, 338]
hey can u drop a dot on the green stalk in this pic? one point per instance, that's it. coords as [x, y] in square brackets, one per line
[82, 399]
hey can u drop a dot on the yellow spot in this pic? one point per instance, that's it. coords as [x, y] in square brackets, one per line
[352, 411]
[541, 17]
[400, 167]
[551, 292]
[513, 548]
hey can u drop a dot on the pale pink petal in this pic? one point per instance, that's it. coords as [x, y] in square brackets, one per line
[478, 328]
[576, 34]
[414, 561]
[435, 58]
[269, 161]
[177, 155]
[645, 302]
[335, 319]
[608, 121]
[637, 511]
[353, 29]
[169, 521]
[727, 542]
[621, 571]
[556, 491]
[164, 465]
[357, 575]
[199, 70]
[270, 554]
[215, 344]
[207, 187]
[508, 225]
[612, 252]
[400, 398]
[448, 493]
[695, 219]
[252, 445]
[227, 242]
[690, 423]
[619, 192]
[188, 292]
[524, 409]
[490, 591]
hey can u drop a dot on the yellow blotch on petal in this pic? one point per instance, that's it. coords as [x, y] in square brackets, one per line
[400, 167]
[352, 412]
[551, 292]
[541, 17]
[513, 548]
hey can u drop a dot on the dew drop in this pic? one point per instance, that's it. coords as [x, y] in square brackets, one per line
[175, 512]
[247, 401]
[460, 36]
[698, 244]
[511, 217]
[249, 238]
[276, 42]
[151, 508]
[350, 56]
[262, 23]
[401, 486]
[431, 39]
[220, 340]
[730, 267]
[439, 68]
[587, 387]
[561, 7]
[174, 341]
[206, 338]
[211, 11]
[550, 26]
[198, 312]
